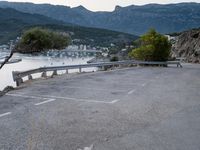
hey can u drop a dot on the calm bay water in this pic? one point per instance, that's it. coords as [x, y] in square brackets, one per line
[32, 62]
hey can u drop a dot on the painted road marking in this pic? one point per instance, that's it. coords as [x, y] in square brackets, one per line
[87, 88]
[144, 84]
[33, 97]
[114, 101]
[26, 96]
[87, 148]
[44, 102]
[131, 92]
[82, 100]
[5, 114]
[49, 98]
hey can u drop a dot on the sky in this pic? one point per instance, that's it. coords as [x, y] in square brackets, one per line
[103, 5]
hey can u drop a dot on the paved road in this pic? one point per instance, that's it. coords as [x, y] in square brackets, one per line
[129, 109]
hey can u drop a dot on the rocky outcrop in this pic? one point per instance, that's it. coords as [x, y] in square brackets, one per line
[187, 46]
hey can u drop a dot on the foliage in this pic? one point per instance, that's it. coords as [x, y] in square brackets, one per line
[153, 47]
[38, 39]
[114, 58]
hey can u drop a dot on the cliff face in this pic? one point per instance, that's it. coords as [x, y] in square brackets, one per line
[187, 45]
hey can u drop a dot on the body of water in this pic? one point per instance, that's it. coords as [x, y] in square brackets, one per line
[33, 62]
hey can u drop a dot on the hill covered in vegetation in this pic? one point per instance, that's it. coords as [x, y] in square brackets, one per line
[13, 23]
[131, 19]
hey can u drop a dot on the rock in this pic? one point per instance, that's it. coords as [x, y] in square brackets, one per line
[187, 45]
[7, 89]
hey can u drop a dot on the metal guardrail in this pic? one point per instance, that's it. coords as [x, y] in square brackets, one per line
[18, 76]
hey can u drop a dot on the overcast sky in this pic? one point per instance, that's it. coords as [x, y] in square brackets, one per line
[104, 5]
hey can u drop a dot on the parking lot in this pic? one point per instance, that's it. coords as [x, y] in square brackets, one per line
[138, 108]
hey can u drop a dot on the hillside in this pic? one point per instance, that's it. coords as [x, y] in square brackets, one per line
[132, 19]
[13, 23]
[187, 45]
[94, 36]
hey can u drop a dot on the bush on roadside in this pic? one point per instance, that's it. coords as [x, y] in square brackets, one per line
[153, 47]
[114, 58]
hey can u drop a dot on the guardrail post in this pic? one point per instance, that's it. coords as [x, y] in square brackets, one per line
[55, 73]
[30, 77]
[44, 74]
[179, 65]
[19, 81]
[112, 67]
[79, 69]
[103, 68]
[67, 71]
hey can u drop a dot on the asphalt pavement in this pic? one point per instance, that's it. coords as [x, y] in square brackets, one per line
[139, 108]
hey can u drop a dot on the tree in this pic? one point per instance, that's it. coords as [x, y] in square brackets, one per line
[6, 59]
[38, 39]
[153, 47]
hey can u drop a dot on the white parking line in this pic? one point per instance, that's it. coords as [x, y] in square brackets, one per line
[144, 84]
[25, 96]
[131, 92]
[87, 148]
[114, 101]
[5, 114]
[50, 98]
[76, 87]
[82, 100]
[44, 102]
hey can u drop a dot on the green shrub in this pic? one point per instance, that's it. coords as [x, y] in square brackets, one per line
[114, 58]
[153, 47]
[38, 39]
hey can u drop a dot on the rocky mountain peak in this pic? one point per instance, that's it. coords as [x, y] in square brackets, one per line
[80, 8]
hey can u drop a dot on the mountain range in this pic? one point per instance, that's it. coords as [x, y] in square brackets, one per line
[13, 23]
[131, 19]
